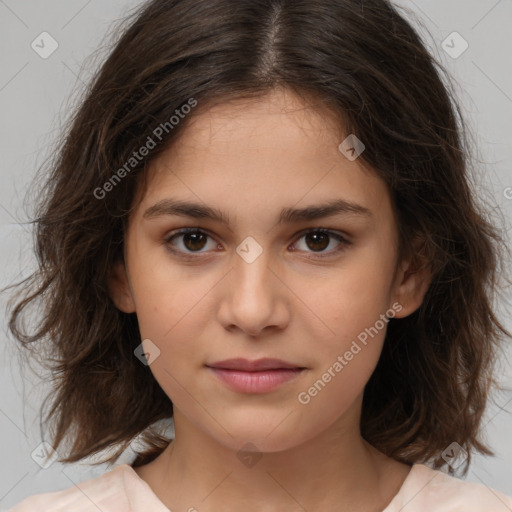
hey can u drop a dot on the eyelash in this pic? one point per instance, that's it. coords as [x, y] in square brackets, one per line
[191, 255]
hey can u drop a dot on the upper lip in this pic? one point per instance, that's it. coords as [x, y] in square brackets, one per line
[242, 364]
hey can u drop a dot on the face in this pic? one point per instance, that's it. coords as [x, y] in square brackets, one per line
[277, 277]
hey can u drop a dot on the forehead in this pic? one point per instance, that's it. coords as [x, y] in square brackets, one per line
[278, 120]
[261, 154]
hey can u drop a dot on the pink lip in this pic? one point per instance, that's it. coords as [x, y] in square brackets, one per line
[259, 376]
[265, 363]
[258, 381]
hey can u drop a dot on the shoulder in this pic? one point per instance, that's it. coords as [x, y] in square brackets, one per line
[426, 489]
[106, 493]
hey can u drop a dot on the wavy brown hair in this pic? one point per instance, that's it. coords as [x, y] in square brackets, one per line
[366, 64]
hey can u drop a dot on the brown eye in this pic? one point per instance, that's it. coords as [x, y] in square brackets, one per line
[192, 240]
[318, 240]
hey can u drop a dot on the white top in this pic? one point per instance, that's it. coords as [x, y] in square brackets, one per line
[122, 490]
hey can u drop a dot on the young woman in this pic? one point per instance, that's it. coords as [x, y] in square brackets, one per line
[261, 226]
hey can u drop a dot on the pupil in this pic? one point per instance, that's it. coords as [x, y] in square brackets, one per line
[315, 237]
[194, 237]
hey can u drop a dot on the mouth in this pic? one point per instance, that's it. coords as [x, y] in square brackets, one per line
[260, 376]
[245, 365]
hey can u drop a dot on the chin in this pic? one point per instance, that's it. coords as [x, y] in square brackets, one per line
[261, 438]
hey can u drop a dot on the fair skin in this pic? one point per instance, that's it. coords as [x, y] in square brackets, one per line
[250, 159]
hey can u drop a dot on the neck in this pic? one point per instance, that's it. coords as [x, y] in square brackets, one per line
[335, 470]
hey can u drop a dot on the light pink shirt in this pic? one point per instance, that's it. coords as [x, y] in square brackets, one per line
[122, 490]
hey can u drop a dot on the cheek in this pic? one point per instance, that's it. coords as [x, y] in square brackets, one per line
[346, 358]
[168, 297]
[334, 390]
[176, 316]
[348, 325]
[345, 303]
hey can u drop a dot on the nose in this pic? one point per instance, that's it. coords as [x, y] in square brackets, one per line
[254, 298]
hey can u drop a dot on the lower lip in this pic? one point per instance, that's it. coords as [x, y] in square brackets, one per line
[256, 382]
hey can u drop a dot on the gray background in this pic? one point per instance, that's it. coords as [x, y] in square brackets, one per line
[35, 97]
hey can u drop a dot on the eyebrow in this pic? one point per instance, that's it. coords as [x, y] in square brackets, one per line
[287, 216]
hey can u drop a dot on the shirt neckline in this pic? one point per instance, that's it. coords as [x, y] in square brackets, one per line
[408, 481]
[132, 475]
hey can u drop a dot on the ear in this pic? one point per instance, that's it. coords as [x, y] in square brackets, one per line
[119, 288]
[412, 280]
